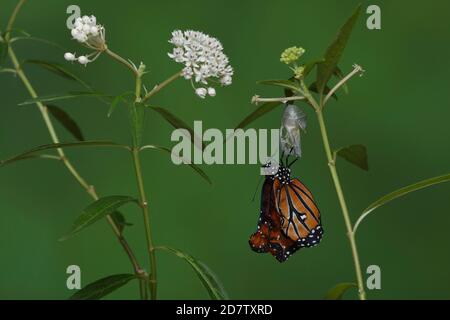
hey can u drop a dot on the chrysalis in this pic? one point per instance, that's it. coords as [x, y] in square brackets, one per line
[292, 122]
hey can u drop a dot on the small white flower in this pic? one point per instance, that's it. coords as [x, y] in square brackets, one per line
[203, 59]
[94, 31]
[83, 60]
[78, 24]
[211, 92]
[86, 19]
[201, 92]
[226, 80]
[91, 35]
[70, 56]
[187, 73]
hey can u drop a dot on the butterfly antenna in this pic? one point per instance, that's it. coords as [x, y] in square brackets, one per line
[256, 190]
[281, 158]
[292, 162]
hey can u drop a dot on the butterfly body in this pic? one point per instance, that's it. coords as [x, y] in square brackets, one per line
[289, 218]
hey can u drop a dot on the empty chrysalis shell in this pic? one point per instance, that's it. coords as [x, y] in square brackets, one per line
[292, 123]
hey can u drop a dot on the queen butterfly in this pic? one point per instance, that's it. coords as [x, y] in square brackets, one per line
[289, 218]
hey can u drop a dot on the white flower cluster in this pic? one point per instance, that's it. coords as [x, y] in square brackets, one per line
[203, 59]
[89, 33]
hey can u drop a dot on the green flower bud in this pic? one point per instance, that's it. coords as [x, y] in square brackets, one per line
[291, 55]
[298, 71]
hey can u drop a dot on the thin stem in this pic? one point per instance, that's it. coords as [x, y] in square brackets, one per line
[256, 99]
[138, 89]
[12, 19]
[118, 58]
[148, 233]
[343, 204]
[161, 86]
[338, 187]
[54, 137]
[356, 69]
[140, 181]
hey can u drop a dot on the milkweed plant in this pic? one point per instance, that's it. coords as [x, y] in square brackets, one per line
[205, 66]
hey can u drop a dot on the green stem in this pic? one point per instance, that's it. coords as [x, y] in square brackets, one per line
[337, 184]
[345, 213]
[161, 86]
[54, 137]
[121, 60]
[138, 169]
[148, 233]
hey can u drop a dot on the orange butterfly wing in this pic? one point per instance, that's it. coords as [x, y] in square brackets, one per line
[300, 217]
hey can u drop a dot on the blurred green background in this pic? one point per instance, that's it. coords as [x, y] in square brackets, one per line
[399, 109]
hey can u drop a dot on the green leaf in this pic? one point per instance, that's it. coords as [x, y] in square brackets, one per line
[36, 150]
[117, 100]
[137, 117]
[193, 166]
[45, 41]
[177, 123]
[310, 66]
[96, 211]
[10, 32]
[338, 74]
[259, 112]
[334, 52]
[66, 120]
[37, 156]
[69, 95]
[355, 154]
[101, 288]
[399, 193]
[206, 276]
[120, 220]
[282, 83]
[59, 70]
[313, 88]
[338, 291]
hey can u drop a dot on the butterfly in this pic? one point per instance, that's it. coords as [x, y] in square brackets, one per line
[289, 217]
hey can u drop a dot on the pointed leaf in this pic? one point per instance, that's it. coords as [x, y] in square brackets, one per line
[310, 66]
[117, 100]
[101, 288]
[193, 166]
[10, 32]
[66, 120]
[334, 52]
[282, 83]
[399, 193]
[355, 154]
[340, 75]
[70, 95]
[177, 123]
[259, 112]
[120, 220]
[45, 41]
[96, 211]
[338, 291]
[206, 276]
[37, 156]
[59, 70]
[34, 151]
